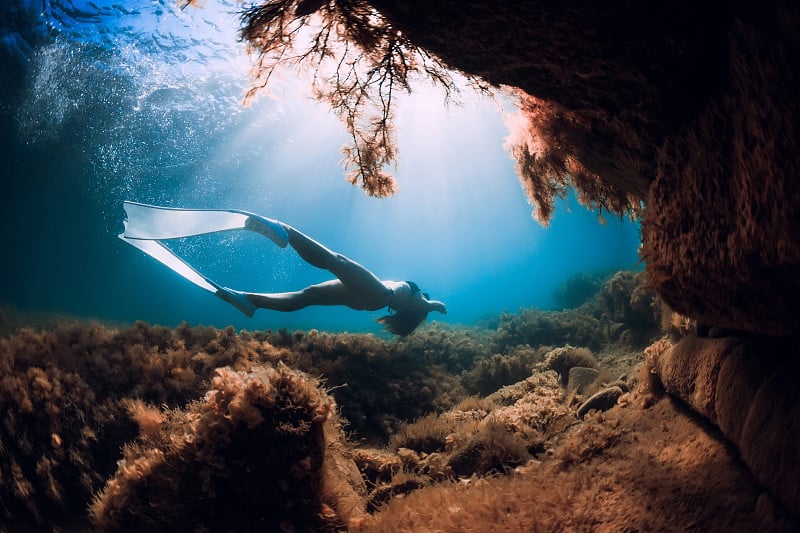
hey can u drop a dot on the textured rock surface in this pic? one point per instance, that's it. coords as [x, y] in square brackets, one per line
[749, 389]
[634, 71]
[723, 216]
[631, 468]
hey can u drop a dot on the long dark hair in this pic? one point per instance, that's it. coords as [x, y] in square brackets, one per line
[402, 322]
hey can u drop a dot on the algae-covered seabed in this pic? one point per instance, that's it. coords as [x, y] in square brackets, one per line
[449, 429]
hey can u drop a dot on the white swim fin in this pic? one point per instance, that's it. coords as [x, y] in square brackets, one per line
[164, 255]
[160, 223]
[167, 257]
[147, 225]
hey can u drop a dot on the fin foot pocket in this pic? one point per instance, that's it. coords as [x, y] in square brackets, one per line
[237, 299]
[271, 229]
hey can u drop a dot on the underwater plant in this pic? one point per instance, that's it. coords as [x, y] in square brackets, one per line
[489, 374]
[357, 62]
[577, 289]
[548, 328]
[622, 310]
[545, 139]
[396, 391]
[70, 398]
[65, 401]
[73, 395]
[428, 434]
[492, 449]
[204, 428]
[626, 299]
[561, 360]
[381, 384]
[252, 451]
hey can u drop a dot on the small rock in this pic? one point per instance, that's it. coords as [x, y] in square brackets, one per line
[602, 401]
[621, 384]
[580, 377]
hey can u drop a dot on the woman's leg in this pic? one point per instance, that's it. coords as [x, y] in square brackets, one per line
[363, 288]
[332, 292]
[356, 287]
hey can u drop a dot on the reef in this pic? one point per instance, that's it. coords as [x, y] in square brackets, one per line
[684, 116]
[204, 429]
[623, 310]
[204, 418]
[642, 465]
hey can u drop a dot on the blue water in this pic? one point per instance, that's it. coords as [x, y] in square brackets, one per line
[139, 100]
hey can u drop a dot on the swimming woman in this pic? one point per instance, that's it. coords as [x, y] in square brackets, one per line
[355, 286]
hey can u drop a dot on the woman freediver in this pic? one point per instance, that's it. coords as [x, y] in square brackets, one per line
[355, 286]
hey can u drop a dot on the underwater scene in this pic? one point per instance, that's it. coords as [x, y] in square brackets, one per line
[238, 298]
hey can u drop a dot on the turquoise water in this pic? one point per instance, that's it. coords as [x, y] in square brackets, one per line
[138, 100]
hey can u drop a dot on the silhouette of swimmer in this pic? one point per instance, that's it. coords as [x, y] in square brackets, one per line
[355, 286]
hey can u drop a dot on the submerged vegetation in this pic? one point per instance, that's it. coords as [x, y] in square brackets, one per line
[357, 62]
[211, 429]
[178, 402]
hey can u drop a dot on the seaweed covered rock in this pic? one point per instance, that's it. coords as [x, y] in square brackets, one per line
[562, 360]
[483, 436]
[63, 397]
[577, 289]
[488, 375]
[70, 398]
[490, 449]
[380, 384]
[626, 300]
[548, 328]
[622, 310]
[534, 407]
[642, 465]
[721, 235]
[250, 456]
[53, 441]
